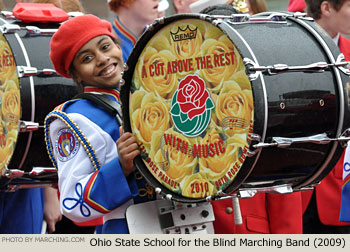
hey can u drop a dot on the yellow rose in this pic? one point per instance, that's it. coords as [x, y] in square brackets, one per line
[234, 108]
[8, 65]
[224, 61]
[10, 104]
[151, 73]
[7, 146]
[218, 155]
[174, 157]
[149, 115]
[197, 186]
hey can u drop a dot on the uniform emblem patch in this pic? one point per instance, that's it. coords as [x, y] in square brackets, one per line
[67, 145]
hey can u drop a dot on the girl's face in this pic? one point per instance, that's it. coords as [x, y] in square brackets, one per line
[99, 63]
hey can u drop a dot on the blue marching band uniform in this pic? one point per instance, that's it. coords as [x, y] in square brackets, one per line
[87, 185]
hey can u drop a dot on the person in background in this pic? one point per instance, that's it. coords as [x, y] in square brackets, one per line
[66, 5]
[183, 6]
[256, 6]
[322, 205]
[131, 20]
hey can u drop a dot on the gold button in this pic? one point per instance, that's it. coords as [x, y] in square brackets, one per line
[229, 210]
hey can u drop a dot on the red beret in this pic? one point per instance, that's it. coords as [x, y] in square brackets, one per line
[296, 5]
[73, 35]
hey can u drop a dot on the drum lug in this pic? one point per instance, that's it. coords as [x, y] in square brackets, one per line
[341, 64]
[344, 138]
[255, 138]
[12, 173]
[9, 28]
[28, 126]
[306, 188]
[250, 64]
[33, 30]
[303, 16]
[8, 15]
[250, 192]
[24, 71]
[40, 171]
[247, 193]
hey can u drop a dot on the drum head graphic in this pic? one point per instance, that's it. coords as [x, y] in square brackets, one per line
[10, 103]
[191, 108]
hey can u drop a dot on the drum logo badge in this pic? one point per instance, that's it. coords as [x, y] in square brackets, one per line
[183, 34]
[191, 106]
[67, 145]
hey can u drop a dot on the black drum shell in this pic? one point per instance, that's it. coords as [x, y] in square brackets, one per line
[300, 104]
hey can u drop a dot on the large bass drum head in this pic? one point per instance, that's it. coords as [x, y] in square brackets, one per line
[189, 102]
[10, 103]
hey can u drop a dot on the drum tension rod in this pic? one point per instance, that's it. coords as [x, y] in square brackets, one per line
[283, 142]
[317, 67]
[25, 71]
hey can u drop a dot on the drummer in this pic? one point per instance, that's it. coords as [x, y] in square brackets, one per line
[93, 155]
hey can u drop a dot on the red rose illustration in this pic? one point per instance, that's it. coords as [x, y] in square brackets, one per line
[192, 96]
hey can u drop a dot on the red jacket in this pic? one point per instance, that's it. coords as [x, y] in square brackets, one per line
[265, 213]
[328, 192]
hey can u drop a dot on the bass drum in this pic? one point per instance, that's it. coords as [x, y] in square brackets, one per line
[220, 105]
[29, 90]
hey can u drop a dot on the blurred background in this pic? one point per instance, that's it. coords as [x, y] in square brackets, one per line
[99, 7]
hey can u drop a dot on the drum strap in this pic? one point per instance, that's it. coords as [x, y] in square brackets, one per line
[111, 106]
